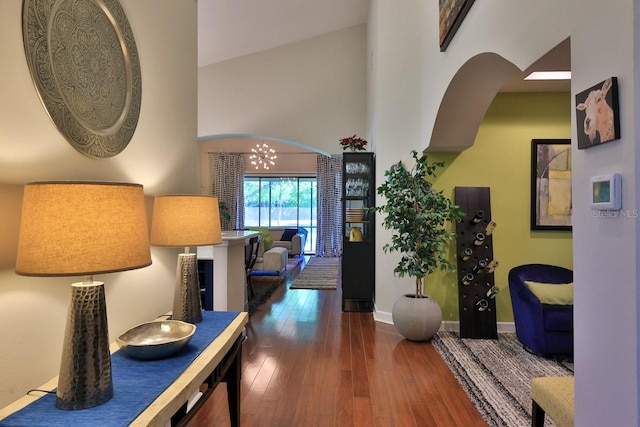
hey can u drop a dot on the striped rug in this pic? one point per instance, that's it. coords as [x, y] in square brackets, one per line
[319, 273]
[496, 375]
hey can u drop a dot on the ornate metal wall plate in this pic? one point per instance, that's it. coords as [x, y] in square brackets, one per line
[84, 64]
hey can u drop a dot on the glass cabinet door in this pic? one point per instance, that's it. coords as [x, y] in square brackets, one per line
[358, 196]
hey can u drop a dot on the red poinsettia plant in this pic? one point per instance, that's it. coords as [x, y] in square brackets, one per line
[354, 143]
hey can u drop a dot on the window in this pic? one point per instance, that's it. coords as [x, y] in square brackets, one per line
[282, 202]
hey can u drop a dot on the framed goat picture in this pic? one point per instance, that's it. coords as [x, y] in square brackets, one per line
[551, 203]
[452, 13]
[597, 114]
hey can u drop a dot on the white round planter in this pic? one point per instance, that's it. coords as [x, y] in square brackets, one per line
[417, 319]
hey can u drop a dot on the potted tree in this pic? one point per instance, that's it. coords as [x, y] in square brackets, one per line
[417, 213]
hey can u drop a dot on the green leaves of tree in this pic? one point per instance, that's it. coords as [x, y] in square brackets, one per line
[418, 215]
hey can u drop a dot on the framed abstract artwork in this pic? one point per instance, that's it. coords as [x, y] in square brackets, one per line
[597, 114]
[452, 13]
[551, 203]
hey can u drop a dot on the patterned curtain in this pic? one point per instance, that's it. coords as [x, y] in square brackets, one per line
[329, 241]
[227, 183]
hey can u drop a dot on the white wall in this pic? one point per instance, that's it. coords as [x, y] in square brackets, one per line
[312, 92]
[162, 156]
[397, 43]
[407, 80]
[606, 250]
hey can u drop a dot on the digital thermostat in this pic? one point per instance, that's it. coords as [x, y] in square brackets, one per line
[606, 192]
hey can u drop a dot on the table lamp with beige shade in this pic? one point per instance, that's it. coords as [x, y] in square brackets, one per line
[186, 220]
[81, 229]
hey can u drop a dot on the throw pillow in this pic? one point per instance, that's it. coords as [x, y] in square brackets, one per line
[288, 234]
[551, 293]
[267, 240]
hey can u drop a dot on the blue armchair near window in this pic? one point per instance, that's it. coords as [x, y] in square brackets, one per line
[543, 327]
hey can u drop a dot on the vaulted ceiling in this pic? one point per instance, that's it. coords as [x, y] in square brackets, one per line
[228, 29]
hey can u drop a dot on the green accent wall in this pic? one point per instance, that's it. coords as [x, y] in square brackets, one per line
[501, 160]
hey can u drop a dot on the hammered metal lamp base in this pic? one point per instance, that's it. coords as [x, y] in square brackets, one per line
[85, 368]
[187, 305]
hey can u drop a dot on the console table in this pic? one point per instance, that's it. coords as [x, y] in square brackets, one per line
[212, 356]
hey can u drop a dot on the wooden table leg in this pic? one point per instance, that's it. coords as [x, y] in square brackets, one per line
[232, 378]
[537, 415]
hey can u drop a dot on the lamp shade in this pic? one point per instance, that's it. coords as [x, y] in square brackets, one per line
[82, 228]
[185, 220]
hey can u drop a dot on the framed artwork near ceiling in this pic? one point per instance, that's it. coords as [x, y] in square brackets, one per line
[452, 13]
[551, 203]
[597, 114]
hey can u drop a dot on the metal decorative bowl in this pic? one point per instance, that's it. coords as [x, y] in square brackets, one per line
[156, 340]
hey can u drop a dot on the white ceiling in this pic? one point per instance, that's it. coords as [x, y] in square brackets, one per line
[231, 28]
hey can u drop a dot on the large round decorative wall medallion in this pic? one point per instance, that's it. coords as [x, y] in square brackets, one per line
[84, 64]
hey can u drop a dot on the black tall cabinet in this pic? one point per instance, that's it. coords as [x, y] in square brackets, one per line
[358, 254]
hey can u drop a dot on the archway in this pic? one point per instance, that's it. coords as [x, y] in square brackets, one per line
[467, 99]
[493, 149]
[476, 84]
[243, 142]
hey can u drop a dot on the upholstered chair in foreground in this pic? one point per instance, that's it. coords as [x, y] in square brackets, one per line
[542, 300]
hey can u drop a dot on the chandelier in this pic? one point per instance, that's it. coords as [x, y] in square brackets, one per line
[263, 156]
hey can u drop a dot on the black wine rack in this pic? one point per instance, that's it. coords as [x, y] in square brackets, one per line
[474, 250]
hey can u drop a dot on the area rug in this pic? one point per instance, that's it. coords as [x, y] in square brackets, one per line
[496, 375]
[264, 287]
[319, 273]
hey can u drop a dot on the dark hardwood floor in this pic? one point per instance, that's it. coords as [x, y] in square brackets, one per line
[305, 363]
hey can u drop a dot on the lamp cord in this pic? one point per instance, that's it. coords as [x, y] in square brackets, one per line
[41, 391]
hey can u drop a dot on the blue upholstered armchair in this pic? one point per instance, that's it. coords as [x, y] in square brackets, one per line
[543, 328]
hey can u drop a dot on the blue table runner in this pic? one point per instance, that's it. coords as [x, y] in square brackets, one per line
[136, 384]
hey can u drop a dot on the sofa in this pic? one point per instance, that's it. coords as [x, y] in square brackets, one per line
[542, 300]
[292, 239]
[270, 253]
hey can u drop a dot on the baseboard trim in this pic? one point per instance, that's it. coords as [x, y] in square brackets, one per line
[382, 316]
[447, 325]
